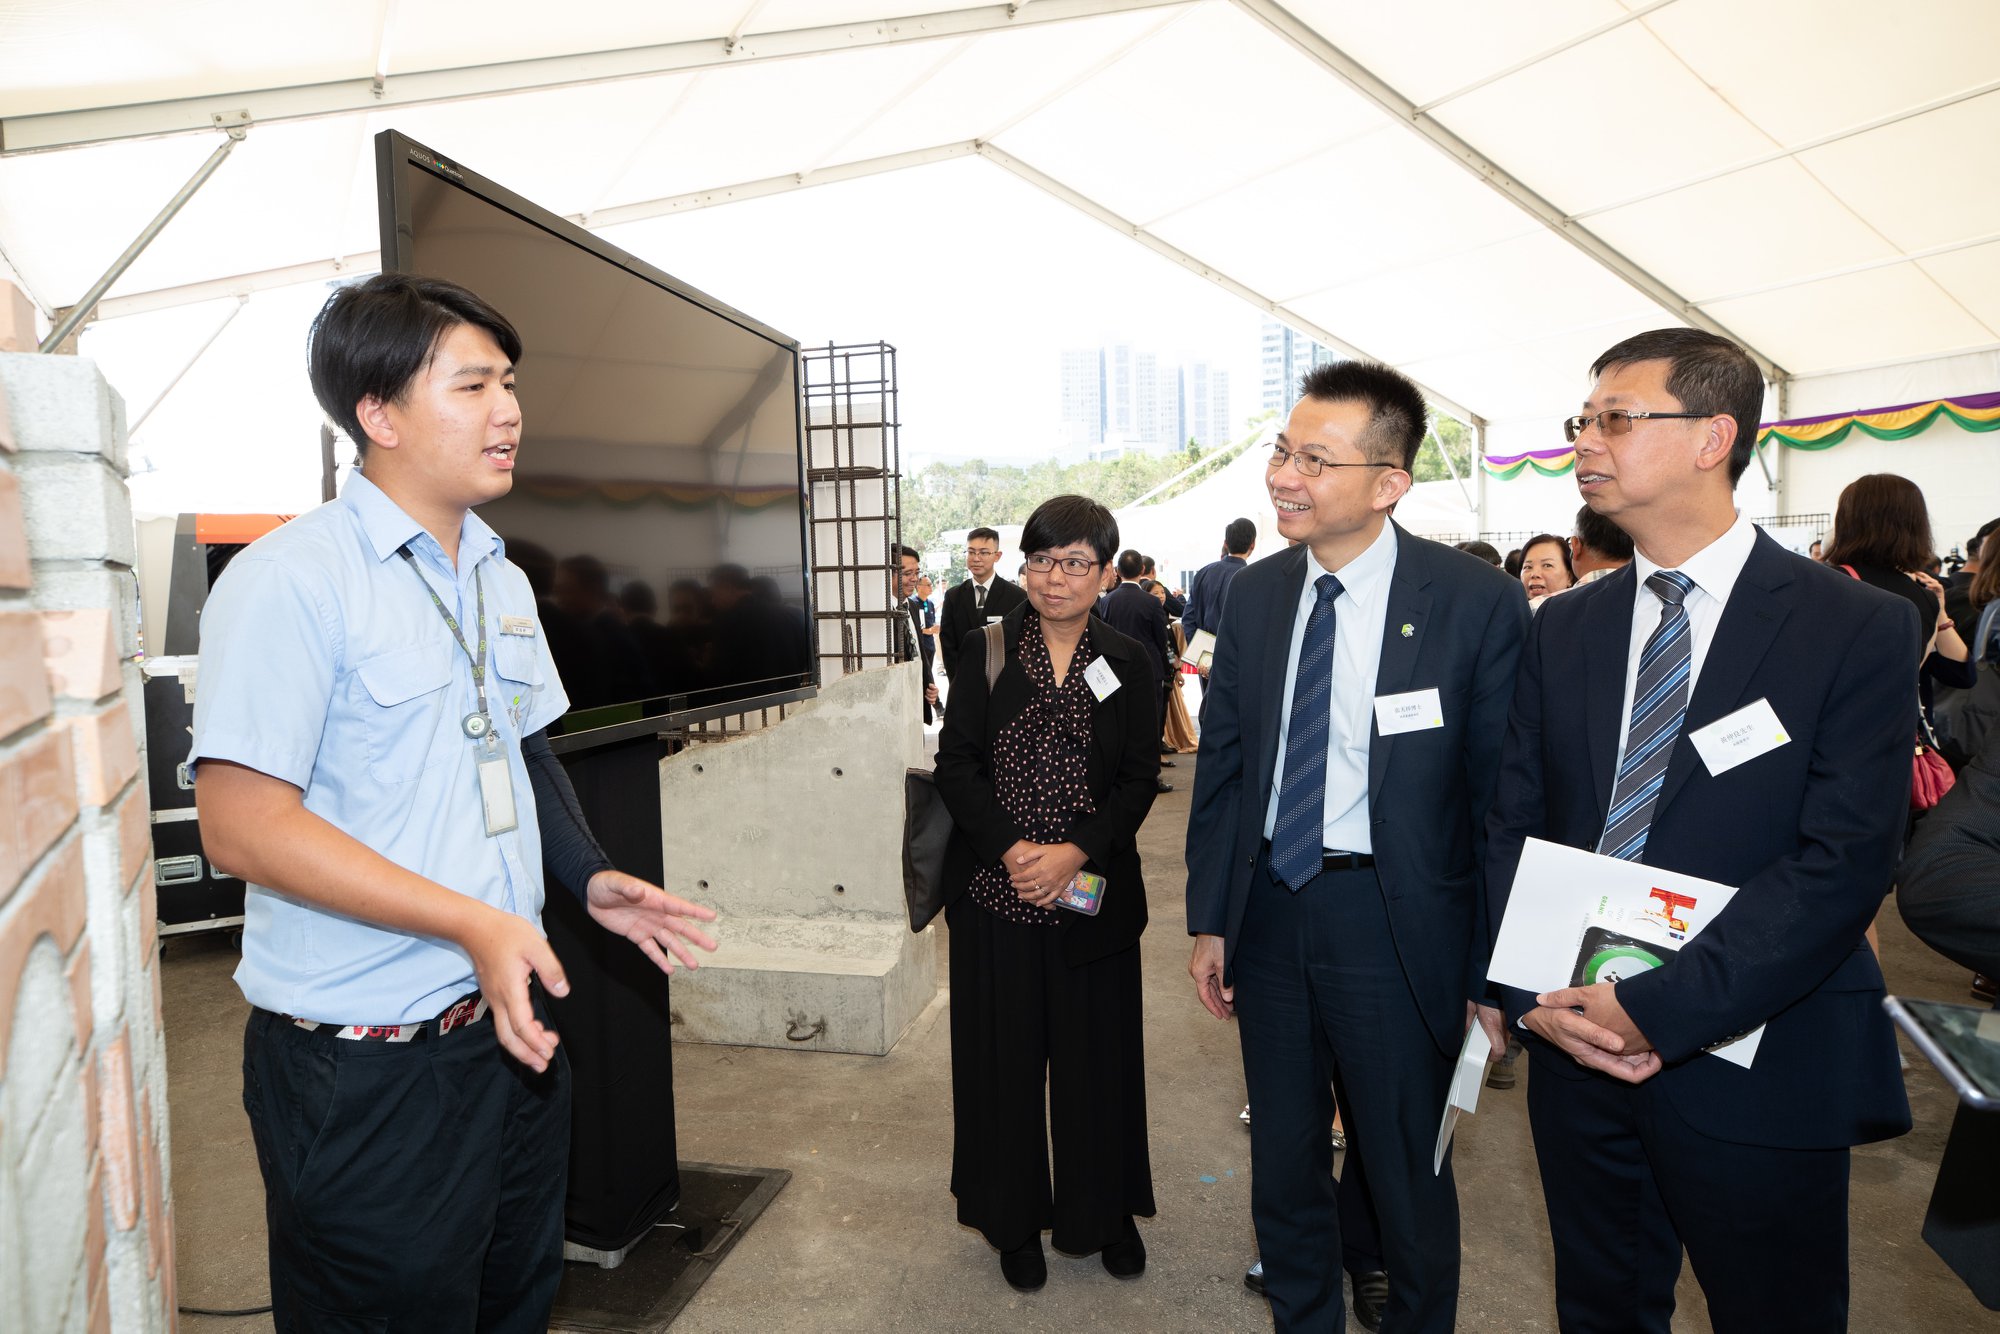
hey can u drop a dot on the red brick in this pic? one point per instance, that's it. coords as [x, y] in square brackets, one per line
[37, 803]
[52, 905]
[106, 754]
[80, 653]
[78, 974]
[24, 680]
[149, 912]
[15, 570]
[120, 1132]
[89, 1079]
[156, 1203]
[17, 329]
[93, 1237]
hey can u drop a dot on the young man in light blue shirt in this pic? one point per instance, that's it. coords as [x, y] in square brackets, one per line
[370, 759]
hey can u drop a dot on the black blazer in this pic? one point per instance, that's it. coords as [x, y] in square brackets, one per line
[1138, 615]
[1123, 772]
[1808, 834]
[958, 617]
[1428, 792]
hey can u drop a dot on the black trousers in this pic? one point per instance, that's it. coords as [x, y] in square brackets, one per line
[408, 1186]
[1629, 1183]
[1324, 1010]
[1026, 1025]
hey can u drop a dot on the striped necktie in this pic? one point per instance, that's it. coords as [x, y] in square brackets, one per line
[1298, 833]
[1659, 705]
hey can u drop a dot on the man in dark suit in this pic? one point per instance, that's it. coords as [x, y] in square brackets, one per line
[908, 565]
[1646, 1144]
[1131, 610]
[1210, 589]
[975, 602]
[1335, 849]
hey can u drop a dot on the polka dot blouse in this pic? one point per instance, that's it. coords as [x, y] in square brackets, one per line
[1041, 766]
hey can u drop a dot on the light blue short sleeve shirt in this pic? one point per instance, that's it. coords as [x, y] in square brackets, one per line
[324, 664]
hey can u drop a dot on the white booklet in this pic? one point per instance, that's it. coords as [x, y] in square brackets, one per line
[1467, 1078]
[1575, 918]
[1200, 650]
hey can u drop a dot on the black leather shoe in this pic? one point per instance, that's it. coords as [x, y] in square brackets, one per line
[1126, 1257]
[1253, 1278]
[1025, 1268]
[1162, 785]
[1168, 764]
[1371, 1294]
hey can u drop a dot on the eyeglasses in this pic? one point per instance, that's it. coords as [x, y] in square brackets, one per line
[1617, 421]
[1070, 564]
[1311, 465]
[982, 551]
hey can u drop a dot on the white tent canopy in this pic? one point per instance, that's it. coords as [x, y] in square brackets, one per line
[1482, 195]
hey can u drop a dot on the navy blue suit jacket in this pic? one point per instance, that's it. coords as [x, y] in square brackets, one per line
[1428, 792]
[1208, 595]
[1808, 833]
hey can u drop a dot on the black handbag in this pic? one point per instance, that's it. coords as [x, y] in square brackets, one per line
[927, 824]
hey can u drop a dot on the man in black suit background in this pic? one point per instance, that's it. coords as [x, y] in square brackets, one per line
[976, 600]
[1209, 591]
[1336, 846]
[1130, 609]
[909, 570]
[1646, 1144]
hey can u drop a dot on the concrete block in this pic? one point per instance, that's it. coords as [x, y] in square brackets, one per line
[24, 682]
[13, 1246]
[77, 508]
[107, 757]
[115, 974]
[155, 1197]
[794, 834]
[41, 1050]
[80, 651]
[15, 570]
[37, 802]
[54, 1175]
[77, 590]
[43, 919]
[17, 320]
[61, 405]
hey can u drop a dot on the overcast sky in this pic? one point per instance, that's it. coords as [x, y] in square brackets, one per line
[978, 279]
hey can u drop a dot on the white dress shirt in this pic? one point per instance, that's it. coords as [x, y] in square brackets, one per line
[1714, 569]
[1360, 614]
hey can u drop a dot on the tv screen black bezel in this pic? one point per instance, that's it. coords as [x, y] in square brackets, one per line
[394, 149]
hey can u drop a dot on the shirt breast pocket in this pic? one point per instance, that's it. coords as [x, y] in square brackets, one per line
[410, 727]
[518, 681]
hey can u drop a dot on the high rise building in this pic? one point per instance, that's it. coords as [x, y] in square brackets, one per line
[1121, 398]
[1286, 356]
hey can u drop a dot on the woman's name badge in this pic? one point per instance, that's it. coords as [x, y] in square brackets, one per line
[1101, 679]
[1743, 735]
[496, 791]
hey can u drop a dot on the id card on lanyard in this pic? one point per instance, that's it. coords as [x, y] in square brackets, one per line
[496, 783]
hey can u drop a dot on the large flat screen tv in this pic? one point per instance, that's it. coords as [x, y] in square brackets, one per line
[658, 505]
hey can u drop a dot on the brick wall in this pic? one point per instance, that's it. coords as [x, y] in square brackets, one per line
[86, 1214]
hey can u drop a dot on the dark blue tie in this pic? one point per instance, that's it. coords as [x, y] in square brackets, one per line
[1296, 836]
[1659, 706]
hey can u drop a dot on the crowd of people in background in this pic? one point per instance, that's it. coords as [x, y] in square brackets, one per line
[1343, 908]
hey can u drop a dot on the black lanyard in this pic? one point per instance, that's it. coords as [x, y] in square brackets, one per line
[484, 722]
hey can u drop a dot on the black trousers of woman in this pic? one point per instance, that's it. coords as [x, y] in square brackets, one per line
[1025, 1022]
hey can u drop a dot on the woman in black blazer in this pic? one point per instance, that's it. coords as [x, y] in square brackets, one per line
[1048, 774]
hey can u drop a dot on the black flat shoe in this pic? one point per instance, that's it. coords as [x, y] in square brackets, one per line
[1126, 1257]
[1371, 1294]
[1025, 1268]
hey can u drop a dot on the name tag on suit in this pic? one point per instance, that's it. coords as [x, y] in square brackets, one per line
[518, 625]
[1731, 740]
[1411, 711]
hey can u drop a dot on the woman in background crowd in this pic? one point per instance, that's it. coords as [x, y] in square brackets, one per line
[1177, 732]
[1545, 568]
[1049, 773]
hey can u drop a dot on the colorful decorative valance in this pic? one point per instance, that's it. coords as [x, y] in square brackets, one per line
[1972, 412]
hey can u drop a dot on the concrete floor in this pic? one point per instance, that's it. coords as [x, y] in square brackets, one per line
[864, 1239]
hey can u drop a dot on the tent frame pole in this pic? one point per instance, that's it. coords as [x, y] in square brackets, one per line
[234, 130]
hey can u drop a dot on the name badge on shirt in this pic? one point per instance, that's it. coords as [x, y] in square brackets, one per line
[518, 625]
[1411, 711]
[1103, 682]
[1751, 731]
